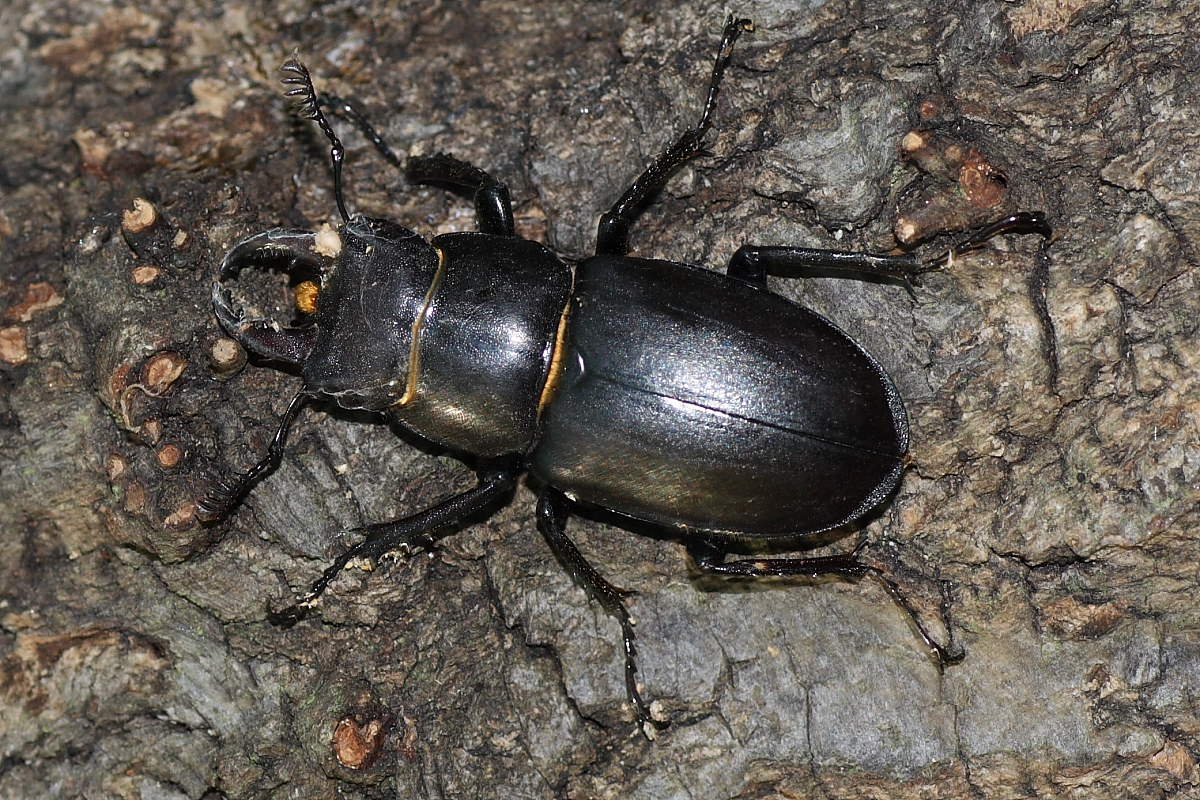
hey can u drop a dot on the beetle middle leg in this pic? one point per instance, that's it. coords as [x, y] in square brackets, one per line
[753, 263]
[553, 509]
[612, 234]
[710, 559]
[417, 531]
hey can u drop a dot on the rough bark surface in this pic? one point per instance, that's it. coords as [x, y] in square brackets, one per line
[1058, 505]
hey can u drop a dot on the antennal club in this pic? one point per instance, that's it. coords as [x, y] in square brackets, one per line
[307, 107]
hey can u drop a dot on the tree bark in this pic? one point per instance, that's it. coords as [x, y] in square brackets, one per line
[1051, 390]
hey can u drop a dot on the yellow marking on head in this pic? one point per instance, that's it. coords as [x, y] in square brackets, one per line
[306, 297]
[414, 347]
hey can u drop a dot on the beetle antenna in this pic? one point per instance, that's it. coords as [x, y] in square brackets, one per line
[308, 107]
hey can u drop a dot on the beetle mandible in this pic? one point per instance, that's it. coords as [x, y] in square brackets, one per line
[664, 393]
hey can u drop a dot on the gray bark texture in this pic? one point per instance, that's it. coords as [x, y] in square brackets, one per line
[1052, 392]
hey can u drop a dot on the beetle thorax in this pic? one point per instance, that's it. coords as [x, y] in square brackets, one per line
[484, 344]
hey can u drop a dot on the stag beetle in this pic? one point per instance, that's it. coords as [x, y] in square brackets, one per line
[658, 392]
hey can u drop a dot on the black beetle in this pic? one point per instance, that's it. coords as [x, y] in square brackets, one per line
[663, 393]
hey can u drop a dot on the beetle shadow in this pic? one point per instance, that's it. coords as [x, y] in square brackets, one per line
[410, 439]
[379, 419]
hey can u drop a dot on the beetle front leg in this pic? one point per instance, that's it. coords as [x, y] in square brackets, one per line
[416, 532]
[710, 559]
[493, 207]
[553, 509]
[344, 109]
[225, 496]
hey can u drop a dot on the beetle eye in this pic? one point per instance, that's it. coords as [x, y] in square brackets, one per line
[306, 297]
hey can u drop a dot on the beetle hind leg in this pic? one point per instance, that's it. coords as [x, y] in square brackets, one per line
[553, 509]
[710, 559]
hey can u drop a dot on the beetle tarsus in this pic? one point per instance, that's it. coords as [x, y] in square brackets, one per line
[222, 498]
[1023, 222]
[553, 510]
[709, 558]
[753, 263]
[942, 655]
[288, 617]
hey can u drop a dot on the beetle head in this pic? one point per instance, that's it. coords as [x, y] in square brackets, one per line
[354, 344]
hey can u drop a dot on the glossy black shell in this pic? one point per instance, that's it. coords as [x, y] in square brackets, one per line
[374, 291]
[690, 399]
[486, 344]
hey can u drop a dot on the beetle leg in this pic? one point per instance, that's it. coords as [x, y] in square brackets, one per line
[752, 264]
[346, 110]
[493, 208]
[418, 531]
[612, 235]
[710, 559]
[225, 496]
[1020, 223]
[553, 509]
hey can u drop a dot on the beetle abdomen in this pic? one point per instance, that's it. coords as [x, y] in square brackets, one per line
[691, 399]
